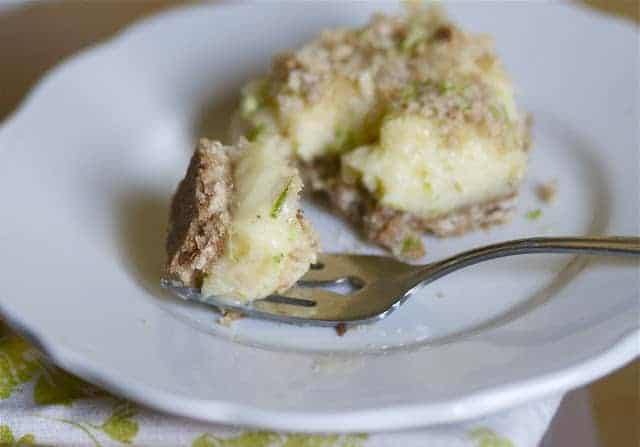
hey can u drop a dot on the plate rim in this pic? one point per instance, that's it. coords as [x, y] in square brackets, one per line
[395, 417]
[398, 417]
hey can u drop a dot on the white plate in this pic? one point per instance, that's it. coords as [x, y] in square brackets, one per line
[90, 160]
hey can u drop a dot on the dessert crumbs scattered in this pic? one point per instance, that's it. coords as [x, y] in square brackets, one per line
[534, 214]
[341, 328]
[412, 248]
[229, 316]
[547, 192]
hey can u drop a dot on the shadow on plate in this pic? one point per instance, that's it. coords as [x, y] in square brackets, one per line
[216, 117]
[143, 214]
[143, 217]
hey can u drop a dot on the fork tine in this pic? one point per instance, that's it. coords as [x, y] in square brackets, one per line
[321, 297]
[327, 306]
[317, 305]
[331, 308]
[329, 268]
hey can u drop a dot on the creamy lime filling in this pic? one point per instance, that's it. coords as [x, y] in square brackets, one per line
[269, 245]
[420, 114]
[413, 168]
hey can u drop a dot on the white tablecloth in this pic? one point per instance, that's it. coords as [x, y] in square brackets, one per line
[42, 405]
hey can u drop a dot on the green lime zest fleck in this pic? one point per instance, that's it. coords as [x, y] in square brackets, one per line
[415, 36]
[231, 250]
[499, 112]
[409, 92]
[249, 105]
[495, 112]
[256, 132]
[344, 139]
[277, 205]
[534, 214]
[411, 244]
[254, 96]
[278, 258]
[446, 87]
[380, 189]
[427, 187]
[389, 117]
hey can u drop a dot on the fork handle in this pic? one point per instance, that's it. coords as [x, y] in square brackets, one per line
[606, 245]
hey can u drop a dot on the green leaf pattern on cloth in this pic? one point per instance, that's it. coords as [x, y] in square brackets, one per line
[257, 439]
[84, 427]
[6, 435]
[270, 439]
[485, 437]
[18, 362]
[8, 439]
[24, 374]
[324, 441]
[55, 386]
[121, 426]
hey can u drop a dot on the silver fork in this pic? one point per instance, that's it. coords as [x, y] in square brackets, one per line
[379, 284]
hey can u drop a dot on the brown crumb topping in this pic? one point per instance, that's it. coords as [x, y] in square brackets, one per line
[418, 62]
[443, 32]
[547, 192]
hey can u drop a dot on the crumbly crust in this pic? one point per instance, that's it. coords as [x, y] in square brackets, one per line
[495, 211]
[418, 63]
[200, 216]
[400, 231]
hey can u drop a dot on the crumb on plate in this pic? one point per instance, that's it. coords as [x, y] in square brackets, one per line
[228, 317]
[548, 191]
[534, 214]
[341, 329]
